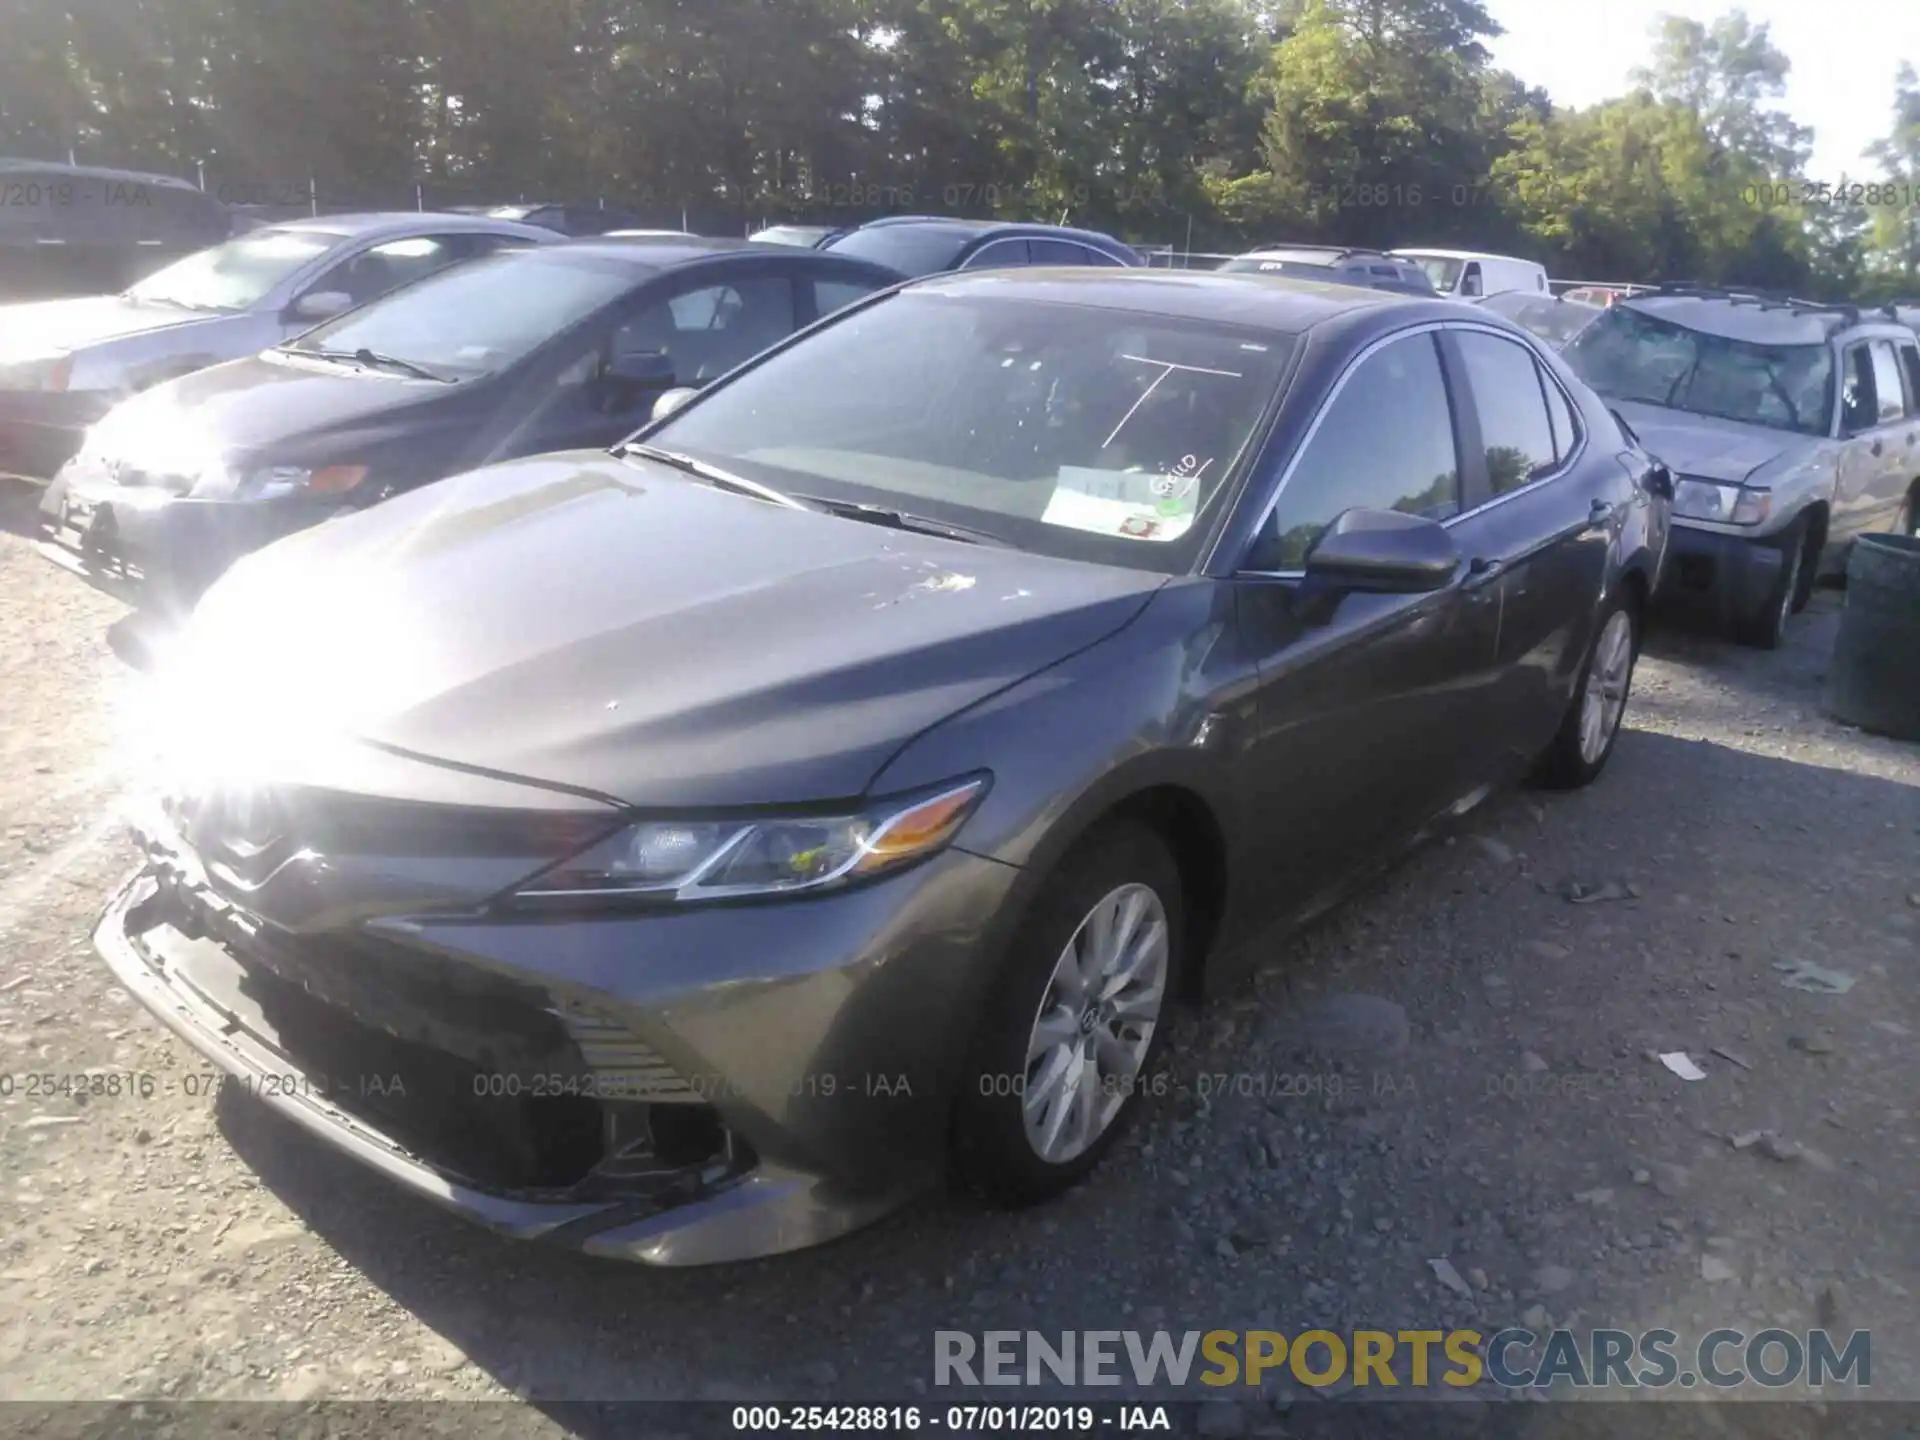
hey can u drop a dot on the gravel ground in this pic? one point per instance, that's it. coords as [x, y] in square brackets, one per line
[1493, 1038]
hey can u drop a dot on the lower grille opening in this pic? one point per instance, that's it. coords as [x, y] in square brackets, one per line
[488, 1128]
[529, 1114]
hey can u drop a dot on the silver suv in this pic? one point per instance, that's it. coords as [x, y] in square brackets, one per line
[1791, 428]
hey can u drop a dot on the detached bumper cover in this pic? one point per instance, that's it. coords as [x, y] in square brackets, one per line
[1727, 577]
[762, 1025]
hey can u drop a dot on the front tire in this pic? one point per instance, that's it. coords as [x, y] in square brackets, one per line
[1766, 629]
[1585, 741]
[1076, 1021]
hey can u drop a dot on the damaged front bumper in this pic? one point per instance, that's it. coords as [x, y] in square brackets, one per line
[464, 1059]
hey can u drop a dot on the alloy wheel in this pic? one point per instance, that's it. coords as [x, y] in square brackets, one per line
[1607, 680]
[1791, 587]
[1095, 1023]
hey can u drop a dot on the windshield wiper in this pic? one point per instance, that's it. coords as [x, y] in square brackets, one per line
[172, 303]
[712, 474]
[374, 360]
[905, 520]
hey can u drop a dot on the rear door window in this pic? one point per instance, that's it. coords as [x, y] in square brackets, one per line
[1516, 432]
[998, 255]
[1056, 252]
[1888, 388]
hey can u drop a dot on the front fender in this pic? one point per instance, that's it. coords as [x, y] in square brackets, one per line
[1158, 706]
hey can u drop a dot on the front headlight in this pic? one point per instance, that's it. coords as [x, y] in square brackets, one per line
[676, 860]
[276, 481]
[40, 373]
[1727, 504]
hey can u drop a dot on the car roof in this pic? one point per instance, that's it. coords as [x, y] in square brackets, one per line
[665, 253]
[655, 250]
[403, 222]
[1313, 254]
[1752, 320]
[1440, 254]
[960, 225]
[13, 166]
[1277, 303]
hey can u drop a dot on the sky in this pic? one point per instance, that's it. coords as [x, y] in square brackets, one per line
[1844, 53]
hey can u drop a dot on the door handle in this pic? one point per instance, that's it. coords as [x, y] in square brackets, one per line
[1877, 447]
[1482, 572]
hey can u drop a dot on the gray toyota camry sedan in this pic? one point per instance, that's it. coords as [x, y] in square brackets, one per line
[686, 852]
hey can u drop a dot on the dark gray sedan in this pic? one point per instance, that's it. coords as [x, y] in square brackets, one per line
[684, 853]
[551, 348]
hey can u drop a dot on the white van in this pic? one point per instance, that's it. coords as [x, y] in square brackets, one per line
[1464, 274]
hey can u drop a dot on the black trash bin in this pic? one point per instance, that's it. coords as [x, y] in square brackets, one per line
[1874, 681]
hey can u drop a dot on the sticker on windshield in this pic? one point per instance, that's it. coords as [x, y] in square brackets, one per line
[1131, 503]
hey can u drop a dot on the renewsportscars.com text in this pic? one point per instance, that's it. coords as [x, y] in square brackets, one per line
[1513, 1358]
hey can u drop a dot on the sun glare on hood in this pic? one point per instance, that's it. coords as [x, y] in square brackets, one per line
[250, 689]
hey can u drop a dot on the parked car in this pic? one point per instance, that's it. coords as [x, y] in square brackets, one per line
[847, 773]
[1792, 427]
[811, 237]
[65, 363]
[85, 230]
[1465, 274]
[1338, 264]
[1552, 318]
[549, 348]
[928, 244]
[572, 220]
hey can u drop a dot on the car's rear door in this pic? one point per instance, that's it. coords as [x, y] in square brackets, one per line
[1363, 714]
[1541, 513]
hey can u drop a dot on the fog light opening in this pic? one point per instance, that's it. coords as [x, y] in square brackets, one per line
[687, 1135]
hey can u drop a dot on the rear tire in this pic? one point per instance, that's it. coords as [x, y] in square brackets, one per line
[1766, 629]
[1076, 1021]
[1584, 744]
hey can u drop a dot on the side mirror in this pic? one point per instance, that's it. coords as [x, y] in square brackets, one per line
[1383, 552]
[322, 304]
[640, 367]
[1660, 481]
[672, 401]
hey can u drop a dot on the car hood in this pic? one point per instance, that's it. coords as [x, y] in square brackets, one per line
[43, 327]
[618, 628]
[261, 402]
[1702, 445]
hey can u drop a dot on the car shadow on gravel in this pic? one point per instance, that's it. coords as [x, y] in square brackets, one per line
[19, 507]
[1694, 831]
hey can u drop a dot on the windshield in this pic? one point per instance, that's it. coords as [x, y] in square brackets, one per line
[236, 275]
[1626, 354]
[476, 318]
[1442, 270]
[1067, 430]
[910, 249]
